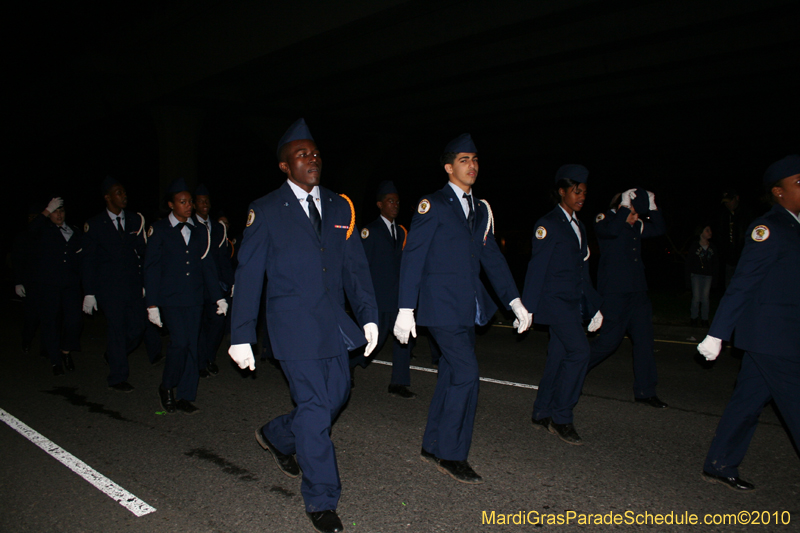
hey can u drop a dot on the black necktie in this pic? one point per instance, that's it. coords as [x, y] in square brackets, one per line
[63, 228]
[471, 214]
[394, 236]
[580, 239]
[313, 214]
[120, 229]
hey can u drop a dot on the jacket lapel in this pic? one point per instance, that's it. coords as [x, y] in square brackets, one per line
[455, 203]
[296, 212]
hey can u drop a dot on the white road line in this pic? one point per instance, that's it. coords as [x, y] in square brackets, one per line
[102, 483]
[488, 380]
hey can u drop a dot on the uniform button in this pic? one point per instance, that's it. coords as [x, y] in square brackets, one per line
[635, 259]
[324, 269]
[187, 273]
[187, 262]
[634, 249]
[187, 251]
[322, 249]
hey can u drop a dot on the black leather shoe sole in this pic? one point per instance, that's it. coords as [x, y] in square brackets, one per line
[287, 463]
[167, 399]
[733, 483]
[68, 364]
[460, 471]
[213, 369]
[567, 433]
[326, 521]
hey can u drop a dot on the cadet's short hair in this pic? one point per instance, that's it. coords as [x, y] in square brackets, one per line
[448, 158]
[563, 183]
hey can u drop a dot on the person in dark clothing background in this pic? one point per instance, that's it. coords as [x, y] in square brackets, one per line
[702, 265]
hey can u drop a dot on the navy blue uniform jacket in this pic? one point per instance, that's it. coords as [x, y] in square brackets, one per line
[220, 252]
[621, 268]
[55, 261]
[308, 279]
[112, 265]
[558, 272]
[384, 261]
[439, 272]
[762, 303]
[175, 274]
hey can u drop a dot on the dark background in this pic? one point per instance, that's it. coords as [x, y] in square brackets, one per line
[682, 98]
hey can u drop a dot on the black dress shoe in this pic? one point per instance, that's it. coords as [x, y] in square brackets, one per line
[122, 386]
[58, 370]
[186, 407]
[542, 423]
[652, 401]
[428, 457]
[566, 432]
[287, 463]
[402, 391]
[326, 521]
[733, 483]
[203, 373]
[167, 399]
[213, 369]
[460, 471]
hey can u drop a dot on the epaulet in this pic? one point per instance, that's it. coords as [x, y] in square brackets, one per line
[405, 236]
[352, 216]
[489, 220]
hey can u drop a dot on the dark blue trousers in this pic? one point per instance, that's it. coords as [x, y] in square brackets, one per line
[401, 353]
[762, 378]
[319, 388]
[451, 416]
[126, 322]
[30, 316]
[564, 371]
[61, 319]
[212, 328]
[630, 313]
[180, 367]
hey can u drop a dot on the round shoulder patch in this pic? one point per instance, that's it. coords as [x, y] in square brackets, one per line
[760, 233]
[599, 217]
[364, 233]
[150, 231]
[423, 207]
[86, 227]
[541, 232]
[251, 217]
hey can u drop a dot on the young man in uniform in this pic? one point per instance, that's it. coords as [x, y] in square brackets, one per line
[451, 238]
[383, 241]
[114, 246]
[212, 326]
[622, 284]
[304, 238]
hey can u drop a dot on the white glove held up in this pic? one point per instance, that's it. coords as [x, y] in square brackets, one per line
[652, 198]
[627, 198]
[405, 325]
[371, 333]
[54, 204]
[89, 304]
[20, 290]
[154, 316]
[242, 355]
[710, 347]
[524, 318]
[597, 321]
[222, 307]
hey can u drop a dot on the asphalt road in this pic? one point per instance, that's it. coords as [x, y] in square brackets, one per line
[206, 473]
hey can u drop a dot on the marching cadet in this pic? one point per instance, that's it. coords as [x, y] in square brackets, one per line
[304, 238]
[56, 266]
[762, 305]
[451, 238]
[622, 284]
[212, 326]
[177, 270]
[559, 293]
[114, 248]
[383, 241]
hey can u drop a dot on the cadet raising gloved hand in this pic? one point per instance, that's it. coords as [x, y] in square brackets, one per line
[54, 204]
[627, 197]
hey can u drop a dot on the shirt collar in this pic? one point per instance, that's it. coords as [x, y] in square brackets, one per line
[458, 190]
[174, 221]
[300, 193]
[201, 219]
[567, 214]
[797, 218]
[114, 217]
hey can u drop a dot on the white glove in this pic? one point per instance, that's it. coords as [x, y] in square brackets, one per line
[242, 355]
[371, 333]
[89, 304]
[144, 293]
[524, 318]
[596, 322]
[154, 316]
[405, 325]
[222, 307]
[627, 197]
[652, 198]
[54, 204]
[710, 347]
[232, 287]
[20, 290]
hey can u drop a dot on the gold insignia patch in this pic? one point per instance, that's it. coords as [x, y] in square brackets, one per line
[251, 217]
[150, 231]
[760, 233]
[541, 232]
[600, 217]
[86, 227]
[364, 233]
[424, 207]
